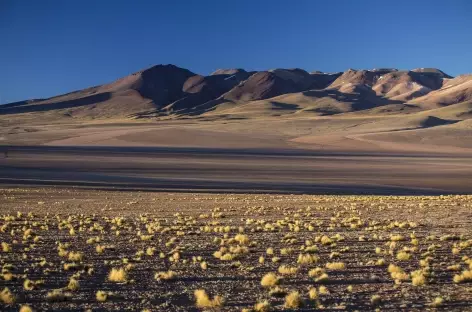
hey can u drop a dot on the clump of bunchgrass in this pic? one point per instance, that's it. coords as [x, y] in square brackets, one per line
[202, 300]
[56, 295]
[293, 300]
[335, 266]
[375, 300]
[286, 270]
[465, 276]
[418, 278]
[102, 296]
[437, 302]
[403, 256]
[7, 297]
[73, 284]
[269, 280]
[118, 275]
[262, 306]
[6, 247]
[166, 276]
[26, 308]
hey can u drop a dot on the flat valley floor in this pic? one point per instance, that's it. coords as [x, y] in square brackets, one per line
[66, 249]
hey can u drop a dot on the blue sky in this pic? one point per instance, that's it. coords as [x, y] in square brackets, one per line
[52, 47]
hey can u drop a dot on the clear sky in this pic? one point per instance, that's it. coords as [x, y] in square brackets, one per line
[52, 47]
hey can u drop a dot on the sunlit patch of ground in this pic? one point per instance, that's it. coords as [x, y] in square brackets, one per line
[65, 249]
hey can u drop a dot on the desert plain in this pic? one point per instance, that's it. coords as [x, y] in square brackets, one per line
[280, 190]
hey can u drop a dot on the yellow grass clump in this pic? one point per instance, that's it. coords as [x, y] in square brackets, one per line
[335, 265]
[323, 290]
[403, 256]
[7, 276]
[26, 308]
[100, 249]
[118, 275]
[316, 272]
[397, 273]
[28, 284]
[313, 293]
[397, 238]
[73, 284]
[325, 240]
[293, 300]
[465, 276]
[380, 262]
[6, 247]
[286, 270]
[76, 256]
[101, 296]
[263, 306]
[454, 267]
[202, 300]
[242, 239]
[418, 278]
[6, 296]
[437, 302]
[305, 259]
[169, 275]
[322, 278]
[269, 280]
[375, 300]
[56, 295]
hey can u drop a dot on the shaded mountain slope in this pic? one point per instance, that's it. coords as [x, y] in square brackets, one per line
[168, 90]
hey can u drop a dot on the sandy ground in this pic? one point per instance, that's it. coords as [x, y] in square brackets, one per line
[367, 133]
[237, 170]
[407, 154]
[69, 240]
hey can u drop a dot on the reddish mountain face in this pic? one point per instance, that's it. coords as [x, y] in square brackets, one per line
[168, 89]
[163, 84]
[261, 85]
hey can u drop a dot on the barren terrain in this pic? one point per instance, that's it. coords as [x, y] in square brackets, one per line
[69, 249]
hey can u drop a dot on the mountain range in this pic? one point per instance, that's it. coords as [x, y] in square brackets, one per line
[168, 91]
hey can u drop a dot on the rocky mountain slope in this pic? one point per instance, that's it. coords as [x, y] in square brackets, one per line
[170, 91]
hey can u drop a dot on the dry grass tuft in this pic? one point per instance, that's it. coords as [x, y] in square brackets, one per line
[202, 300]
[305, 259]
[101, 296]
[73, 284]
[403, 256]
[286, 270]
[464, 277]
[313, 293]
[375, 300]
[323, 290]
[293, 300]
[269, 280]
[6, 296]
[169, 275]
[118, 275]
[26, 308]
[76, 256]
[336, 265]
[56, 295]
[29, 284]
[418, 278]
[263, 306]
[437, 302]
[6, 247]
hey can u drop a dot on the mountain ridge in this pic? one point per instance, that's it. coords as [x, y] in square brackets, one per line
[172, 91]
